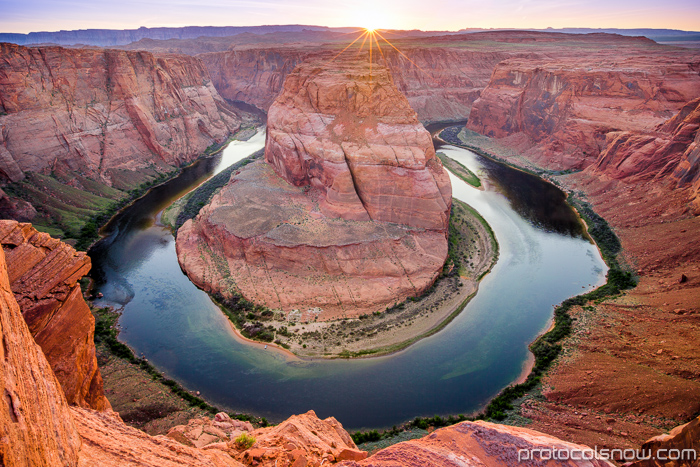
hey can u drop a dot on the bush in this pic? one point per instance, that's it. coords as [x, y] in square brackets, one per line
[244, 441]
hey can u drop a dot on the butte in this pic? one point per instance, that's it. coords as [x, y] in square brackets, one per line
[347, 214]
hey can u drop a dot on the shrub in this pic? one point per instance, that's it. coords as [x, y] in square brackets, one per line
[244, 441]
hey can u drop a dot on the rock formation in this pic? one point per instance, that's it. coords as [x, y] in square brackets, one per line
[36, 426]
[43, 274]
[672, 152]
[347, 130]
[482, 443]
[301, 440]
[564, 107]
[99, 113]
[352, 218]
[684, 438]
[440, 83]
[200, 432]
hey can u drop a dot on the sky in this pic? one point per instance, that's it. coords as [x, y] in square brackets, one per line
[24, 16]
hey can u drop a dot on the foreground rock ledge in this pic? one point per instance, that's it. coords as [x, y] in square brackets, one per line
[349, 212]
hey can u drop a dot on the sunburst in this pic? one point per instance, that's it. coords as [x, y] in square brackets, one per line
[371, 37]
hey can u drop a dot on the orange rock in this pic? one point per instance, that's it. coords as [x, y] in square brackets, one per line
[108, 442]
[480, 443]
[317, 441]
[670, 153]
[566, 105]
[36, 426]
[43, 274]
[353, 135]
[684, 438]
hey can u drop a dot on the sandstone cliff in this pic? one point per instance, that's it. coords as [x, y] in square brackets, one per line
[563, 107]
[440, 83]
[353, 220]
[98, 113]
[36, 426]
[345, 129]
[671, 153]
[43, 275]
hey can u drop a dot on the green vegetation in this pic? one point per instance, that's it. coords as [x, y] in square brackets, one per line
[458, 253]
[247, 317]
[68, 212]
[201, 196]
[244, 441]
[106, 333]
[459, 170]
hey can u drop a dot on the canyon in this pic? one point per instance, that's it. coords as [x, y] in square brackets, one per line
[39, 428]
[612, 119]
[349, 175]
[87, 126]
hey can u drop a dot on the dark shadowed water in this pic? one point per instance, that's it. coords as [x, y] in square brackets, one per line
[543, 260]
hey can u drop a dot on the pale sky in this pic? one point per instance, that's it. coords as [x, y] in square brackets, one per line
[46, 15]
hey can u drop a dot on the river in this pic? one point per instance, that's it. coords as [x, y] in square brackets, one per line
[544, 259]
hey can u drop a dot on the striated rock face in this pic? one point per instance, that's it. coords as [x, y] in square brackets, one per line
[439, 83]
[672, 152]
[481, 443]
[253, 75]
[36, 427]
[43, 274]
[352, 218]
[101, 112]
[566, 106]
[348, 131]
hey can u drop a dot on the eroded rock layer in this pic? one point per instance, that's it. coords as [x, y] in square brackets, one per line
[482, 443]
[670, 153]
[562, 108]
[36, 426]
[271, 241]
[100, 112]
[350, 213]
[43, 274]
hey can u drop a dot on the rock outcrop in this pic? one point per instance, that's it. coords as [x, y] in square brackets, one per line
[347, 130]
[108, 442]
[680, 447]
[671, 153]
[43, 274]
[99, 113]
[200, 432]
[36, 426]
[564, 107]
[301, 440]
[482, 443]
[353, 217]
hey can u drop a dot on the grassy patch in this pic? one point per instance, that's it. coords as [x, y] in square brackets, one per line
[460, 170]
[68, 212]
